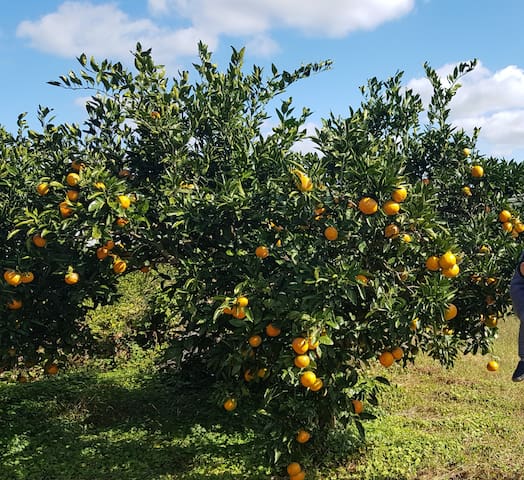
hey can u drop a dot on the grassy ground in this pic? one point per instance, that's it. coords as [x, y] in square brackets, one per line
[133, 424]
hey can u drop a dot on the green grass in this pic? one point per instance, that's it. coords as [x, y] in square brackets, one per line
[133, 423]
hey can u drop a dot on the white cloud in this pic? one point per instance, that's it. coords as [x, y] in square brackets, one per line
[493, 101]
[333, 18]
[158, 7]
[111, 33]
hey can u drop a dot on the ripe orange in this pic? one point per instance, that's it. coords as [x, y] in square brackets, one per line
[307, 379]
[432, 263]
[391, 208]
[110, 245]
[238, 312]
[248, 375]
[272, 330]
[386, 359]
[303, 436]
[299, 476]
[14, 304]
[368, 205]
[261, 372]
[361, 278]
[492, 366]
[293, 468]
[13, 278]
[155, 115]
[312, 344]
[42, 188]
[451, 312]
[414, 323]
[300, 345]
[466, 191]
[77, 165]
[124, 173]
[27, 277]
[124, 201]
[73, 195]
[51, 369]
[242, 302]
[406, 238]
[119, 266]
[65, 209]
[255, 340]
[101, 253]
[447, 260]
[122, 222]
[466, 152]
[477, 171]
[71, 278]
[39, 241]
[331, 233]
[73, 179]
[358, 406]
[230, 404]
[391, 231]
[262, 252]
[451, 272]
[317, 385]
[507, 226]
[302, 361]
[399, 194]
[397, 353]
[504, 216]
[491, 321]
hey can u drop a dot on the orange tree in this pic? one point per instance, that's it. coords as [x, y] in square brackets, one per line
[292, 272]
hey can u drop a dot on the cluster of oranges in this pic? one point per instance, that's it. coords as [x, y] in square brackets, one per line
[510, 223]
[446, 264]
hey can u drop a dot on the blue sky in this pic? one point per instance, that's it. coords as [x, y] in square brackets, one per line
[364, 38]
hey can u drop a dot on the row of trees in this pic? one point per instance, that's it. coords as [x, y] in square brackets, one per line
[289, 273]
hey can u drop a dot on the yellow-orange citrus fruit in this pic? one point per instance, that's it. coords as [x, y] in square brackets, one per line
[399, 194]
[519, 226]
[391, 230]
[492, 366]
[304, 183]
[227, 311]
[73, 179]
[386, 359]
[303, 436]
[477, 171]
[406, 238]
[451, 312]
[293, 468]
[491, 321]
[299, 476]
[391, 208]
[451, 272]
[242, 302]
[317, 385]
[124, 201]
[71, 278]
[302, 361]
[312, 344]
[272, 330]
[368, 205]
[447, 260]
[73, 195]
[122, 222]
[77, 165]
[42, 188]
[155, 115]
[504, 216]
[248, 375]
[255, 340]
[230, 404]
[397, 353]
[238, 312]
[261, 372]
[262, 251]
[14, 304]
[466, 191]
[507, 226]
[358, 406]
[361, 278]
[119, 266]
[413, 324]
[13, 278]
[466, 152]
[65, 209]
[307, 379]
[124, 173]
[331, 233]
[300, 345]
[39, 241]
[432, 263]
[101, 253]
[110, 245]
[27, 277]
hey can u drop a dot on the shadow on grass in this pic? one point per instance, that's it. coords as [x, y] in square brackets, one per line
[89, 426]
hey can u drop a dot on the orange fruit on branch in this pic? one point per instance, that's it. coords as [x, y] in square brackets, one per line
[368, 205]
